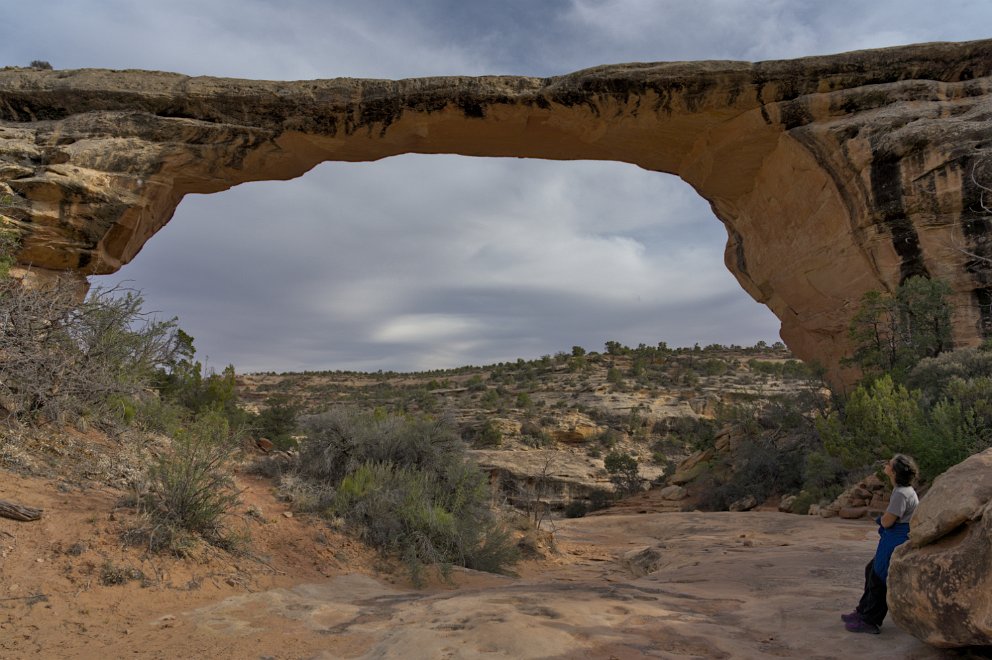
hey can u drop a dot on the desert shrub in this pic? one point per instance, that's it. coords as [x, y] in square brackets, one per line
[40, 64]
[576, 509]
[712, 367]
[537, 438]
[407, 486]
[882, 417]
[791, 412]
[277, 422]
[486, 436]
[743, 415]
[760, 470]
[9, 244]
[599, 499]
[112, 574]
[338, 442]
[932, 376]
[64, 358]
[698, 433]
[607, 439]
[623, 471]
[158, 415]
[822, 473]
[805, 499]
[189, 490]
[491, 400]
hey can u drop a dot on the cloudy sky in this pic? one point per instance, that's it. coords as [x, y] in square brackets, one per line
[420, 262]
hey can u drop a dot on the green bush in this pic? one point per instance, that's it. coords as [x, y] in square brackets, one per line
[623, 471]
[407, 485]
[277, 422]
[487, 436]
[761, 470]
[576, 509]
[190, 492]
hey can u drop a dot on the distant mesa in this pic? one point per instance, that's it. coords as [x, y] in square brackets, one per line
[832, 175]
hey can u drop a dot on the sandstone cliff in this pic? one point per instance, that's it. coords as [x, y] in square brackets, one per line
[833, 175]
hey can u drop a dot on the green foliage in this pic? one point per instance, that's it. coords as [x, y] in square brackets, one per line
[623, 471]
[487, 436]
[933, 376]
[40, 64]
[892, 333]
[919, 397]
[698, 433]
[878, 419]
[712, 367]
[787, 369]
[491, 400]
[158, 415]
[9, 243]
[407, 485]
[881, 418]
[762, 470]
[64, 359]
[190, 492]
[277, 422]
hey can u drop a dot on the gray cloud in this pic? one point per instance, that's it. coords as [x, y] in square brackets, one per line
[421, 262]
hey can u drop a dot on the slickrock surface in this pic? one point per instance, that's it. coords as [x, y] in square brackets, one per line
[833, 175]
[751, 585]
[654, 585]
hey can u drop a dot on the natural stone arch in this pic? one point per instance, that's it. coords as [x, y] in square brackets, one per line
[832, 175]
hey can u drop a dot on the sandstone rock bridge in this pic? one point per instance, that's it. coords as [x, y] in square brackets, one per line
[833, 175]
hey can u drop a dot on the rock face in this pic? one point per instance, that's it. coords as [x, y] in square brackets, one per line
[548, 478]
[833, 175]
[941, 580]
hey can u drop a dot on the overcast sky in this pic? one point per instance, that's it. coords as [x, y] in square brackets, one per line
[421, 262]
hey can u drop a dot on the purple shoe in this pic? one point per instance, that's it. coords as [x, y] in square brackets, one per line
[853, 617]
[861, 626]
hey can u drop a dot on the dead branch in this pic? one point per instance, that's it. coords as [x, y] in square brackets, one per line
[18, 512]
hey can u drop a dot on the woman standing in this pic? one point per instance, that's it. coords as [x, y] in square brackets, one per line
[893, 528]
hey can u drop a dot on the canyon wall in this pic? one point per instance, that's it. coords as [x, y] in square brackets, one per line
[833, 175]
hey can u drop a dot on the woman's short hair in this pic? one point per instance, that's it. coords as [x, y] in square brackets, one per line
[905, 470]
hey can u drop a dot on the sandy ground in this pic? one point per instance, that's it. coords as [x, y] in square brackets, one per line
[629, 585]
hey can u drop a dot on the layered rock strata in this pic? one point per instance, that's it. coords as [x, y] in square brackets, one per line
[832, 175]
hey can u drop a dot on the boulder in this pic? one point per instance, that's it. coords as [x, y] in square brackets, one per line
[785, 506]
[575, 428]
[852, 512]
[673, 493]
[690, 468]
[940, 582]
[744, 504]
[644, 561]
